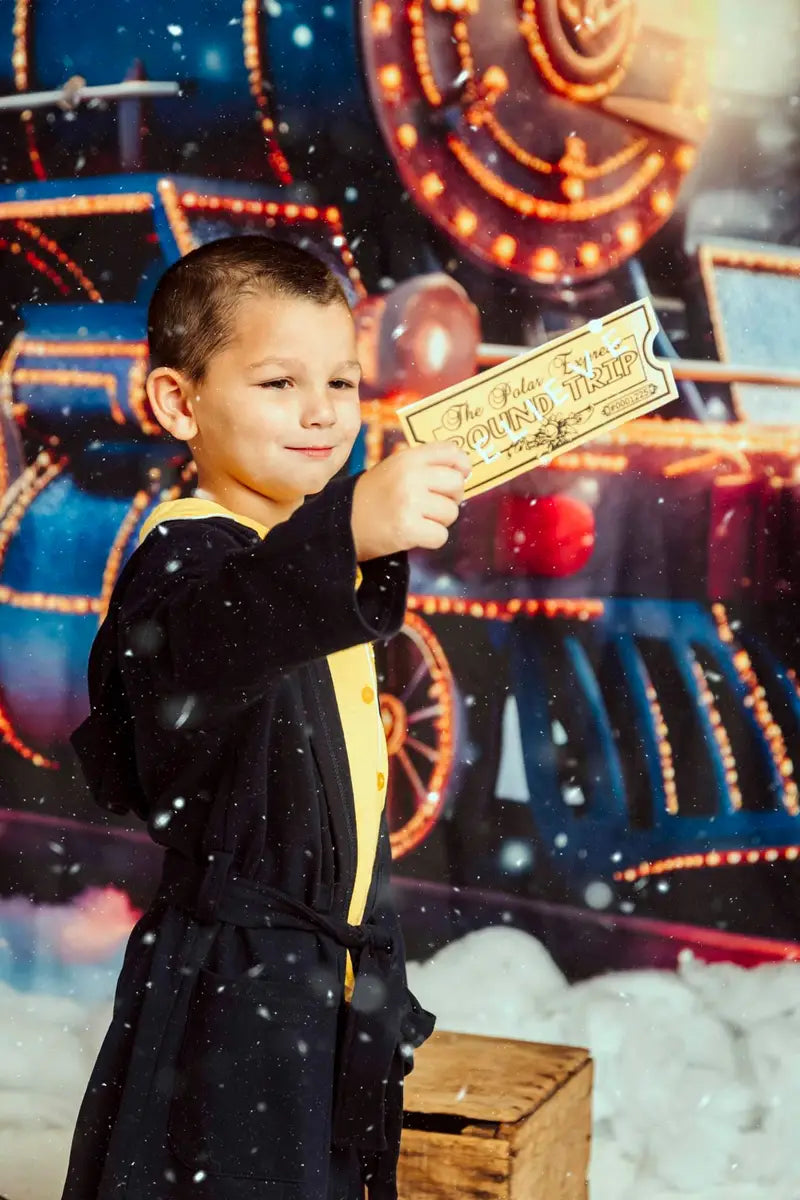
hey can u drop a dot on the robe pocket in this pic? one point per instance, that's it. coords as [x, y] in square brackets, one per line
[254, 1080]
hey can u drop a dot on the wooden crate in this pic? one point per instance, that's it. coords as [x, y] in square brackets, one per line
[493, 1119]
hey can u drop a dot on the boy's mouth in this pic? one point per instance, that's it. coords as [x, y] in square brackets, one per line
[312, 451]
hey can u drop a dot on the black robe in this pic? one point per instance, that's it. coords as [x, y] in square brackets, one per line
[233, 1068]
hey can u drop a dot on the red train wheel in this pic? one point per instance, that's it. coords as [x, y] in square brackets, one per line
[419, 708]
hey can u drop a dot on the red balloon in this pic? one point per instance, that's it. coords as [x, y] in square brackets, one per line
[545, 535]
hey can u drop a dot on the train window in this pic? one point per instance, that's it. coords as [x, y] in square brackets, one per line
[626, 722]
[576, 753]
[737, 286]
[743, 745]
[778, 687]
[695, 781]
[76, 257]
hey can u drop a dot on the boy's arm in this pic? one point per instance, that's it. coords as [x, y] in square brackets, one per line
[205, 615]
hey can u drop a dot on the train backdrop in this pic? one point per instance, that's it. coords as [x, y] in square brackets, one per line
[593, 712]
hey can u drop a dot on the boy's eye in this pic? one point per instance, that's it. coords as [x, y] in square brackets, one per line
[340, 384]
[280, 384]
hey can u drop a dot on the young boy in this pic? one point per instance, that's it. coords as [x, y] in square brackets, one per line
[262, 1023]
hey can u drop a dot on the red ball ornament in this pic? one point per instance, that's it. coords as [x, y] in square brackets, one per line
[545, 535]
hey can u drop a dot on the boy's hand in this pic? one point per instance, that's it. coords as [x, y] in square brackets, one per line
[409, 500]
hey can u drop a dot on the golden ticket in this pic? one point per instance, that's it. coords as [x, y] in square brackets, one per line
[524, 412]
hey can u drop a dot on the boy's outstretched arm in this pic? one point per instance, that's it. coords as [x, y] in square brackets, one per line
[204, 614]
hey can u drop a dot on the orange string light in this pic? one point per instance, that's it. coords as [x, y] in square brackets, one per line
[251, 45]
[271, 210]
[381, 19]
[76, 206]
[714, 858]
[573, 161]
[176, 217]
[114, 561]
[52, 247]
[37, 263]
[756, 701]
[551, 210]
[581, 93]
[720, 734]
[19, 61]
[430, 798]
[664, 749]
[505, 610]
[419, 53]
[137, 399]
[13, 507]
[66, 377]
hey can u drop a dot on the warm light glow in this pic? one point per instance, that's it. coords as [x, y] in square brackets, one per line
[256, 74]
[52, 247]
[121, 539]
[287, 212]
[495, 80]
[61, 377]
[713, 858]
[664, 749]
[431, 185]
[465, 221]
[756, 701]
[176, 217]
[546, 260]
[47, 348]
[406, 136]
[529, 205]
[629, 234]
[401, 735]
[576, 153]
[573, 189]
[381, 19]
[419, 52]
[661, 202]
[685, 157]
[629, 166]
[505, 610]
[19, 60]
[589, 254]
[582, 93]
[76, 206]
[390, 77]
[720, 735]
[437, 346]
[38, 264]
[504, 247]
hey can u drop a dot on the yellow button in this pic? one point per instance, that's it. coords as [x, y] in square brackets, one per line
[367, 695]
[381, 780]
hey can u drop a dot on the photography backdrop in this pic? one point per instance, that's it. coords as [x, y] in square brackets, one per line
[593, 711]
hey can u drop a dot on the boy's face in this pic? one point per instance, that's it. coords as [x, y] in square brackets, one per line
[278, 411]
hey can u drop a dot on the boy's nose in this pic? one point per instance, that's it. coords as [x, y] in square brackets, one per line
[319, 410]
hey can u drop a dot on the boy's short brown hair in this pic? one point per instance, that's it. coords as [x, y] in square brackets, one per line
[192, 309]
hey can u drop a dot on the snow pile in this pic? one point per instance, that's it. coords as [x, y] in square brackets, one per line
[697, 1089]
[47, 1047]
[697, 1079]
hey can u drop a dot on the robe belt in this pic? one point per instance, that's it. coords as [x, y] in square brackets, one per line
[372, 1030]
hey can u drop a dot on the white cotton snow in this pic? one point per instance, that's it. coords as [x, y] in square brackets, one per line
[697, 1072]
[697, 1086]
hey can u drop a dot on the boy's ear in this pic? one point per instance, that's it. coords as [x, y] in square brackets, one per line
[171, 397]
